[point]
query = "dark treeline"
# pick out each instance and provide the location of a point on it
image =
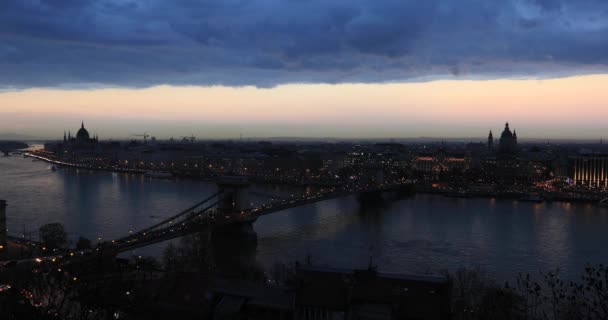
(99, 287)
(546, 297)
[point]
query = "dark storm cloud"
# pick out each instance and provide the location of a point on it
(268, 42)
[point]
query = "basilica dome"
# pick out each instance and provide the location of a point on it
(508, 140)
(507, 132)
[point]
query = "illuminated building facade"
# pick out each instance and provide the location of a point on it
(590, 170)
(441, 161)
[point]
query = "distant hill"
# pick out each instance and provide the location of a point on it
(12, 145)
(14, 136)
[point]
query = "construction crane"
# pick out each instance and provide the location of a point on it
(191, 138)
(145, 135)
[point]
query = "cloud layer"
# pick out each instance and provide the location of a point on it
(138, 43)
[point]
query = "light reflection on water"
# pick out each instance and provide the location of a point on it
(404, 234)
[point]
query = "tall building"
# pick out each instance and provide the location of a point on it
(491, 141)
(508, 141)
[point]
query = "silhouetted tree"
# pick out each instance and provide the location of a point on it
(83, 243)
(500, 304)
(170, 258)
(47, 295)
(53, 235)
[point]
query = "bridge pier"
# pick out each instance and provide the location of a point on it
(234, 250)
(3, 231)
(237, 235)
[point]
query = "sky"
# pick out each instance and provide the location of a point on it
(305, 68)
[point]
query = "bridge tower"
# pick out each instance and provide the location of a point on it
(235, 197)
(234, 245)
(3, 231)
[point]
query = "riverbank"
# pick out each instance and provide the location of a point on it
(535, 196)
(82, 166)
(178, 174)
(422, 188)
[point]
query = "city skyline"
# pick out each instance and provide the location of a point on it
(349, 69)
(303, 159)
(562, 108)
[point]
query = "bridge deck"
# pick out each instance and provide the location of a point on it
(208, 218)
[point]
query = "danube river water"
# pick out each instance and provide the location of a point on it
(417, 234)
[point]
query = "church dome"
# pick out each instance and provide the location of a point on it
(508, 140)
(507, 132)
(83, 134)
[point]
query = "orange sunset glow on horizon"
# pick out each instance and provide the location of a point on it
(450, 108)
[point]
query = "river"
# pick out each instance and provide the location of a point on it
(410, 234)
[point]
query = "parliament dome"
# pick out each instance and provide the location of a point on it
(82, 135)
